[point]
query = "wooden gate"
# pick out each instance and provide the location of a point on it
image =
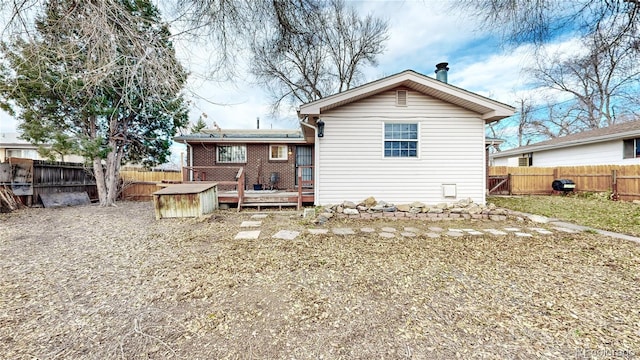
(499, 184)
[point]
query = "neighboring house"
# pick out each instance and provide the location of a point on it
(269, 158)
(614, 145)
(12, 146)
(404, 138)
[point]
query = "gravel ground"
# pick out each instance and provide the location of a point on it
(105, 283)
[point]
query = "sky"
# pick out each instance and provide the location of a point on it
(421, 34)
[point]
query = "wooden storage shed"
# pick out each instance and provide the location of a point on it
(186, 200)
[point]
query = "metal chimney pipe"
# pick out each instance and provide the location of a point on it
(258, 123)
(441, 71)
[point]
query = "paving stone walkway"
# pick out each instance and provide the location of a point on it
(392, 232)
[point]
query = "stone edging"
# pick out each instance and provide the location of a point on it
(371, 209)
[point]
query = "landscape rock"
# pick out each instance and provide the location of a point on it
(350, 211)
(349, 205)
(538, 219)
(369, 202)
(404, 207)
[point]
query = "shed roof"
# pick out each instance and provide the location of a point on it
(625, 130)
(490, 110)
(176, 189)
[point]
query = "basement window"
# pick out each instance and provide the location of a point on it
(631, 148)
(231, 154)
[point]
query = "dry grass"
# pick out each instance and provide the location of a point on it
(98, 283)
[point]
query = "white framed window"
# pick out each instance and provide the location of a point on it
(22, 153)
(231, 153)
(278, 152)
(631, 148)
(400, 140)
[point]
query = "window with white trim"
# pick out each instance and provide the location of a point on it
(631, 148)
(278, 152)
(231, 154)
(400, 140)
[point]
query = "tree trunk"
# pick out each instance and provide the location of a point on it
(112, 175)
(98, 172)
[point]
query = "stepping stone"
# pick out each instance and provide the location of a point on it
(248, 235)
(259, 216)
(387, 235)
(455, 233)
(456, 230)
(388, 229)
(511, 229)
(435, 229)
(542, 231)
(468, 230)
(565, 230)
(318, 231)
(343, 231)
(475, 232)
(286, 234)
(432, 235)
(408, 234)
(495, 232)
(251, 224)
(309, 213)
(412, 229)
(368, 230)
(522, 234)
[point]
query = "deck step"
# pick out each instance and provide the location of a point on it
(261, 204)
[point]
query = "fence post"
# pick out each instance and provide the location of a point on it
(614, 185)
(509, 183)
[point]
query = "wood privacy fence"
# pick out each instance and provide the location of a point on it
(140, 185)
(622, 181)
(29, 179)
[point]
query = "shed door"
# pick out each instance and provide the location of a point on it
(304, 156)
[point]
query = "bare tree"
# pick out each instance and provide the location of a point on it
(604, 81)
(539, 21)
(553, 119)
(301, 61)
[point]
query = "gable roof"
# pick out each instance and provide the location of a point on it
(490, 110)
(625, 130)
(243, 136)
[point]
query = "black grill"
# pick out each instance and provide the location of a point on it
(565, 185)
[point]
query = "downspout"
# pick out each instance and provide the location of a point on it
(316, 159)
(190, 152)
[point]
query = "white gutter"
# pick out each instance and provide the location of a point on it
(316, 155)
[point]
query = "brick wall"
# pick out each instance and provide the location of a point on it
(205, 155)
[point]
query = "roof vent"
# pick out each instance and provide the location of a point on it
(441, 71)
(401, 97)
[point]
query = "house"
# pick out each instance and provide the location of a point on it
(12, 146)
(614, 145)
(404, 138)
(268, 158)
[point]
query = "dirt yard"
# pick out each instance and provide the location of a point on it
(114, 283)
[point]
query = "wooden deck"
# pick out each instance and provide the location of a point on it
(260, 198)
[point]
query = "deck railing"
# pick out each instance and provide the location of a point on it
(302, 183)
(240, 187)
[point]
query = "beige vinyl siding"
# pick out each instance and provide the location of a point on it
(352, 165)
